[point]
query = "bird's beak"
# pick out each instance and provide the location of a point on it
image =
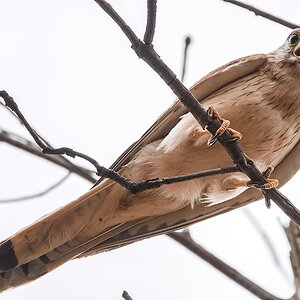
(297, 51)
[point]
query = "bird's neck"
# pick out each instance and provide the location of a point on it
(284, 72)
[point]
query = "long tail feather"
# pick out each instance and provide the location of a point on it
(104, 212)
(59, 236)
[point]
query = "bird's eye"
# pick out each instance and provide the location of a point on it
(293, 39)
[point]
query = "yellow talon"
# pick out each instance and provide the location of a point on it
(272, 183)
(236, 134)
(224, 126)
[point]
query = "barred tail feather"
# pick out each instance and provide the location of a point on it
(58, 237)
(45, 263)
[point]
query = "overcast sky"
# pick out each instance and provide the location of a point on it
(75, 77)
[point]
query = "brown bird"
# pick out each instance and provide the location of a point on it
(259, 94)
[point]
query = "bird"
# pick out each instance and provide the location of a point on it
(259, 94)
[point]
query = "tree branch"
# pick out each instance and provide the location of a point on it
(264, 14)
(151, 21)
(26, 145)
(187, 42)
(102, 171)
(39, 194)
(185, 239)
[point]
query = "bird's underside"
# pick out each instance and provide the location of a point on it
(259, 94)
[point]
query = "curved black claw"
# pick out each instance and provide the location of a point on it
(267, 200)
(268, 171)
(255, 184)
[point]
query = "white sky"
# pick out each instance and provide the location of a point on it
(75, 77)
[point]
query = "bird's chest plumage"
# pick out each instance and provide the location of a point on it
(264, 110)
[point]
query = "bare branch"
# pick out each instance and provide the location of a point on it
(24, 144)
(9, 102)
(138, 187)
(156, 183)
(259, 12)
(109, 173)
(11, 112)
(185, 239)
(186, 47)
(39, 194)
(151, 21)
(246, 165)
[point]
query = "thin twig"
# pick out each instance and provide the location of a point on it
(246, 165)
(109, 173)
(38, 194)
(151, 21)
(264, 14)
(185, 239)
(137, 187)
(187, 42)
(156, 183)
(11, 112)
(22, 143)
(9, 102)
(101, 171)
(126, 296)
(26, 145)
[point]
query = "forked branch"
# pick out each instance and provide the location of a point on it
(134, 187)
(26, 145)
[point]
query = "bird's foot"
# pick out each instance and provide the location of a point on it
(212, 112)
(271, 183)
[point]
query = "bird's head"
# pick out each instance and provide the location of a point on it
(290, 50)
(286, 59)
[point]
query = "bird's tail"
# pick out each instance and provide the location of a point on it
(60, 236)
